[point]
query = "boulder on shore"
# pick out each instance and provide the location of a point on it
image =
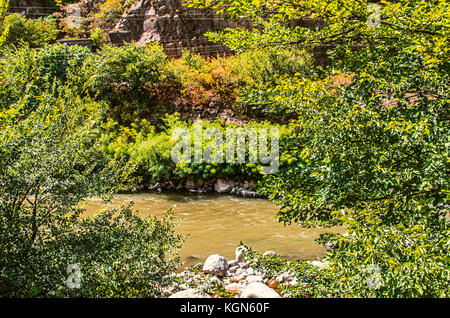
(223, 186)
(215, 264)
(259, 290)
(190, 293)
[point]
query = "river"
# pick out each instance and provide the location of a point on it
(217, 223)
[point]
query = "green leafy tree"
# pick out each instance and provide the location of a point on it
(373, 153)
(3, 29)
(35, 32)
(50, 161)
(127, 77)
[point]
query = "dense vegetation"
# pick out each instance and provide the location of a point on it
(373, 154)
(364, 142)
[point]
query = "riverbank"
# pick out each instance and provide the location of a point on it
(213, 185)
(241, 277)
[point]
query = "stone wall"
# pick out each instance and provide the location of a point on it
(172, 25)
(31, 8)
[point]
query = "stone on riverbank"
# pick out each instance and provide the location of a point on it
(320, 264)
(190, 293)
(223, 186)
(259, 290)
(254, 279)
(240, 254)
(215, 264)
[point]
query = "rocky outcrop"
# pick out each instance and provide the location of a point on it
(172, 25)
(223, 186)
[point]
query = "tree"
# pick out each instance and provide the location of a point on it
(373, 153)
(3, 30)
(50, 161)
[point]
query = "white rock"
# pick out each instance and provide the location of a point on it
(215, 264)
(233, 263)
(239, 271)
(320, 265)
(214, 280)
(293, 282)
(250, 271)
(254, 279)
(280, 279)
(190, 293)
(242, 276)
(245, 265)
(259, 290)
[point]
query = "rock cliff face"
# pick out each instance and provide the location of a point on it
(172, 25)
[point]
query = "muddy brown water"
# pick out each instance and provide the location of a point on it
(217, 223)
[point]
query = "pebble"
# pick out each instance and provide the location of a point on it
(250, 271)
(233, 263)
(233, 269)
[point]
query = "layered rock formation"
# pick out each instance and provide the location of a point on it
(172, 25)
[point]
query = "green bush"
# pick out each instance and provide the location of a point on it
(26, 72)
(262, 66)
(35, 32)
(127, 78)
(372, 260)
(50, 162)
(151, 150)
(61, 62)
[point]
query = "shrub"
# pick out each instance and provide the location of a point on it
(26, 72)
(151, 148)
(50, 162)
(61, 62)
(203, 81)
(35, 32)
(127, 78)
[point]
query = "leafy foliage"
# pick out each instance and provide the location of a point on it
(50, 162)
(372, 152)
(35, 32)
(150, 149)
(126, 77)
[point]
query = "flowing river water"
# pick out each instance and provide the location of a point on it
(217, 223)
